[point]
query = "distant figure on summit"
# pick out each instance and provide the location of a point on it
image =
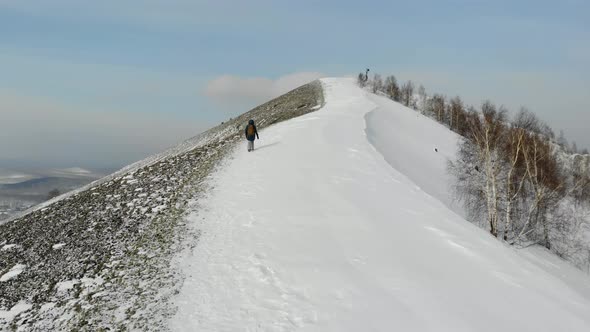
(251, 134)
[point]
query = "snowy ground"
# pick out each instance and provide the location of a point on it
(316, 231)
(415, 146)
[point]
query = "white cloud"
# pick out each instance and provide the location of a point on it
(229, 90)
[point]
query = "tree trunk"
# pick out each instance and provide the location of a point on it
(546, 242)
(507, 223)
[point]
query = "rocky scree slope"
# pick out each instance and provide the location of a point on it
(99, 258)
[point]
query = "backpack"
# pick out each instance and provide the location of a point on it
(250, 131)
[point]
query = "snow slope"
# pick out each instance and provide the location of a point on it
(316, 231)
(414, 145)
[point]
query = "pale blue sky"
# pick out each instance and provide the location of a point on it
(104, 83)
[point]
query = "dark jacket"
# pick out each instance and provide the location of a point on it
(253, 136)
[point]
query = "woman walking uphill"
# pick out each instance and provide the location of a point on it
(251, 134)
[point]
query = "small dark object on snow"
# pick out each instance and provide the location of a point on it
(477, 168)
(435, 150)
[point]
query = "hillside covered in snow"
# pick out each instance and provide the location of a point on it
(340, 220)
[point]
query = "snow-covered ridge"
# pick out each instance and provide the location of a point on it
(330, 230)
(75, 170)
(339, 221)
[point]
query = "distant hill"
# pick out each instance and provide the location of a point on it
(43, 185)
(21, 190)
